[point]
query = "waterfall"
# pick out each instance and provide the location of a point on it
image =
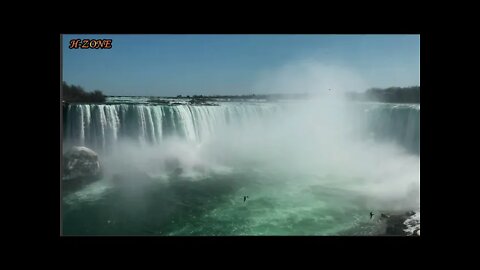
(100, 126)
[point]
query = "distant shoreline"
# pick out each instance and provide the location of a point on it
(174, 101)
(405, 95)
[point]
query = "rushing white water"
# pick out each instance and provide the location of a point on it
(101, 126)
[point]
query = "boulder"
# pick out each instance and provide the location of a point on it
(80, 162)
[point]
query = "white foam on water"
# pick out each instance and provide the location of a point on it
(89, 193)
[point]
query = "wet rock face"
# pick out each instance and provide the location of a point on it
(397, 224)
(80, 162)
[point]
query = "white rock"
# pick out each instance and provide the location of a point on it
(80, 161)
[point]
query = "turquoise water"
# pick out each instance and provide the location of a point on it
(215, 206)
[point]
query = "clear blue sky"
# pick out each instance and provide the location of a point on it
(169, 65)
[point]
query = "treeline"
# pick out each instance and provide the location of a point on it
(247, 97)
(390, 95)
(74, 93)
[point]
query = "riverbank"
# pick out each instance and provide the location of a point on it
(405, 224)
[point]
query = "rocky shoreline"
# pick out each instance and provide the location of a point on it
(405, 224)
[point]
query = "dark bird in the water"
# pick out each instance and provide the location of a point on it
(245, 198)
(384, 216)
(371, 215)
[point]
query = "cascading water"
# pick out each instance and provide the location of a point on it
(309, 168)
(101, 126)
